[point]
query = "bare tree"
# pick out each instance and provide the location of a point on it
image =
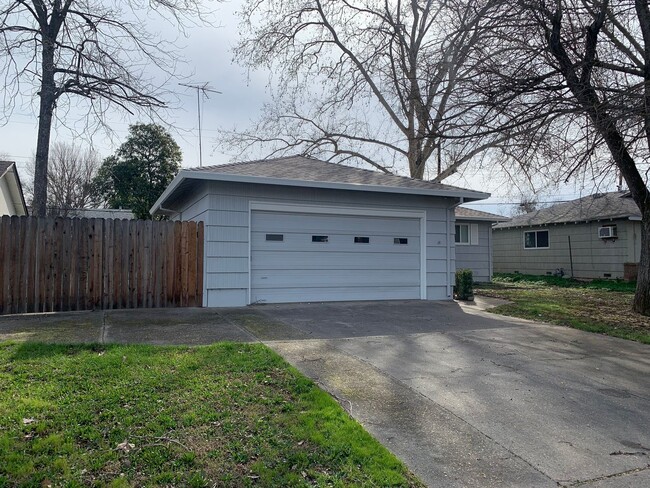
(373, 82)
(71, 170)
(582, 68)
(88, 50)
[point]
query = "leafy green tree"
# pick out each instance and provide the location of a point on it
(137, 174)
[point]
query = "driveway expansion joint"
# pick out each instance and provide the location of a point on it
(571, 484)
(102, 338)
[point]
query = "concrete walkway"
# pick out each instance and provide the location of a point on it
(465, 398)
(187, 326)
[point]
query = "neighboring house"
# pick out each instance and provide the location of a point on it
(473, 237)
(599, 234)
(297, 229)
(101, 213)
(12, 200)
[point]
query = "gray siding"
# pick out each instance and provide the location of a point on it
(477, 257)
(224, 207)
(592, 257)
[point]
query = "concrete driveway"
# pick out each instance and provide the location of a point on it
(469, 399)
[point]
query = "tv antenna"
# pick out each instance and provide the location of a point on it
(201, 89)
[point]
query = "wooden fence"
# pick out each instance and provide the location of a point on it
(60, 264)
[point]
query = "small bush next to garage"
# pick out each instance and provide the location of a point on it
(464, 284)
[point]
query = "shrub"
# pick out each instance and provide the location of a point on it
(464, 284)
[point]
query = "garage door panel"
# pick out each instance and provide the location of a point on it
(341, 294)
(306, 261)
(296, 269)
(334, 277)
(311, 223)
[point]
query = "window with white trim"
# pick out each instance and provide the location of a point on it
(466, 234)
(462, 234)
(536, 239)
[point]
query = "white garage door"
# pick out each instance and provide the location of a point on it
(302, 257)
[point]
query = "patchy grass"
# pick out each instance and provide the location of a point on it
(226, 415)
(601, 306)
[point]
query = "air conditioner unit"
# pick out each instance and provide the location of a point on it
(607, 232)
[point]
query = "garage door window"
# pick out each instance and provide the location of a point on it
(401, 240)
(319, 238)
(275, 237)
(362, 240)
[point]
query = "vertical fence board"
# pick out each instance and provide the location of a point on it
(133, 239)
(98, 277)
(124, 264)
(82, 263)
(90, 238)
(200, 257)
(66, 229)
(42, 260)
(191, 263)
(4, 272)
(6, 262)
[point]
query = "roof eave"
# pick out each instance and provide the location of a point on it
(509, 225)
(482, 219)
(466, 195)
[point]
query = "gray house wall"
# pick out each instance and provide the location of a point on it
(477, 257)
(224, 207)
(592, 257)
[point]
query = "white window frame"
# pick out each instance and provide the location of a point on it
(536, 231)
(360, 211)
(469, 235)
(472, 234)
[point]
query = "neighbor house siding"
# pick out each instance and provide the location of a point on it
(6, 204)
(224, 207)
(477, 257)
(592, 257)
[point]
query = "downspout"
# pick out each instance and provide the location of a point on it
(449, 285)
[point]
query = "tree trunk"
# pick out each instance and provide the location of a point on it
(642, 296)
(47, 102)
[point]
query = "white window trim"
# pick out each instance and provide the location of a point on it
(472, 234)
(360, 211)
(469, 235)
(535, 248)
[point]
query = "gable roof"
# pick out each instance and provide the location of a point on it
(302, 171)
(599, 206)
(464, 213)
(9, 173)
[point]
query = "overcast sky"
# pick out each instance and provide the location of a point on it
(207, 53)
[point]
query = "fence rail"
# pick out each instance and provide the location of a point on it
(61, 264)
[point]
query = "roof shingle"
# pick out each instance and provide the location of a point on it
(471, 214)
(308, 169)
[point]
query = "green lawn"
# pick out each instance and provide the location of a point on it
(601, 306)
(225, 415)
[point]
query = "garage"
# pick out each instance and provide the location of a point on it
(296, 229)
(317, 256)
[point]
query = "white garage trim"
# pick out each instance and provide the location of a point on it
(335, 210)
